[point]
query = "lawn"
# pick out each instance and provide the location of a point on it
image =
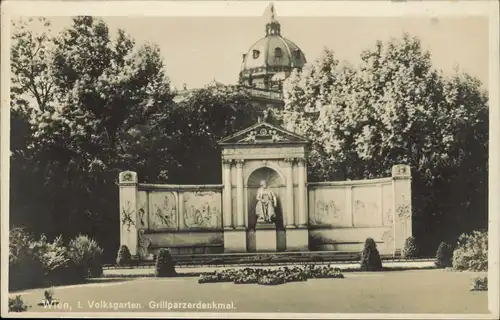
(412, 291)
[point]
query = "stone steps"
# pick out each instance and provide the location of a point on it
(274, 258)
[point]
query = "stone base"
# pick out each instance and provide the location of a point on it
(265, 239)
(235, 240)
(297, 239)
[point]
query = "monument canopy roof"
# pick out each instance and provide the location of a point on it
(263, 133)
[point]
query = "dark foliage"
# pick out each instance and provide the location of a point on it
(124, 258)
(370, 257)
(444, 255)
(165, 264)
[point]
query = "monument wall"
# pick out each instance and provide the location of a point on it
(343, 214)
(340, 215)
(183, 218)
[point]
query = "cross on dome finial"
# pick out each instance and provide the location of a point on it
(273, 27)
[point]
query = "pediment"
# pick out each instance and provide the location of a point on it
(263, 133)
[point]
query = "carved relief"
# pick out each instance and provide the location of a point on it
(227, 163)
(163, 210)
(404, 212)
(262, 135)
(401, 170)
(144, 243)
(202, 210)
(142, 217)
(367, 206)
(128, 177)
(324, 212)
(359, 207)
(288, 162)
(128, 216)
(263, 151)
(387, 205)
(388, 239)
(239, 163)
(389, 216)
(301, 162)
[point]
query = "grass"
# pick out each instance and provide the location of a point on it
(417, 291)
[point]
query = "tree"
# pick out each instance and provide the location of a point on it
(83, 102)
(396, 108)
(197, 123)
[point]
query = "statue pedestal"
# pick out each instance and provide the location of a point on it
(265, 238)
(297, 239)
(235, 240)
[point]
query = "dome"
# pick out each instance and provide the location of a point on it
(273, 52)
(269, 56)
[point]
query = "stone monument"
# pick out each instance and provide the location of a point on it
(253, 207)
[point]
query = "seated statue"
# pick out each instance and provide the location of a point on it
(266, 204)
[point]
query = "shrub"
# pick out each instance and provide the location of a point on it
(370, 257)
(54, 257)
(480, 284)
(17, 304)
(19, 243)
(85, 254)
(124, 258)
(25, 269)
(471, 252)
(165, 264)
(444, 255)
(34, 263)
(48, 298)
(410, 249)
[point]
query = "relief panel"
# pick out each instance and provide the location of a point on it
(202, 209)
(162, 210)
(366, 206)
(330, 208)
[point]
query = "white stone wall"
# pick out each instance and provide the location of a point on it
(343, 214)
(168, 215)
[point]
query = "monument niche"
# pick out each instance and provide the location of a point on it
(265, 221)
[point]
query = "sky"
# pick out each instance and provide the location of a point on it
(197, 50)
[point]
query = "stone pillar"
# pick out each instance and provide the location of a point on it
(402, 207)
(289, 217)
(302, 193)
(240, 195)
(348, 206)
(128, 210)
(297, 237)
(235, 239)
(180, 208)
(227, 203)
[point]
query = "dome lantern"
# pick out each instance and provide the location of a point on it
(273, 27)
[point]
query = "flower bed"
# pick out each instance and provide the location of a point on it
(271, 276)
